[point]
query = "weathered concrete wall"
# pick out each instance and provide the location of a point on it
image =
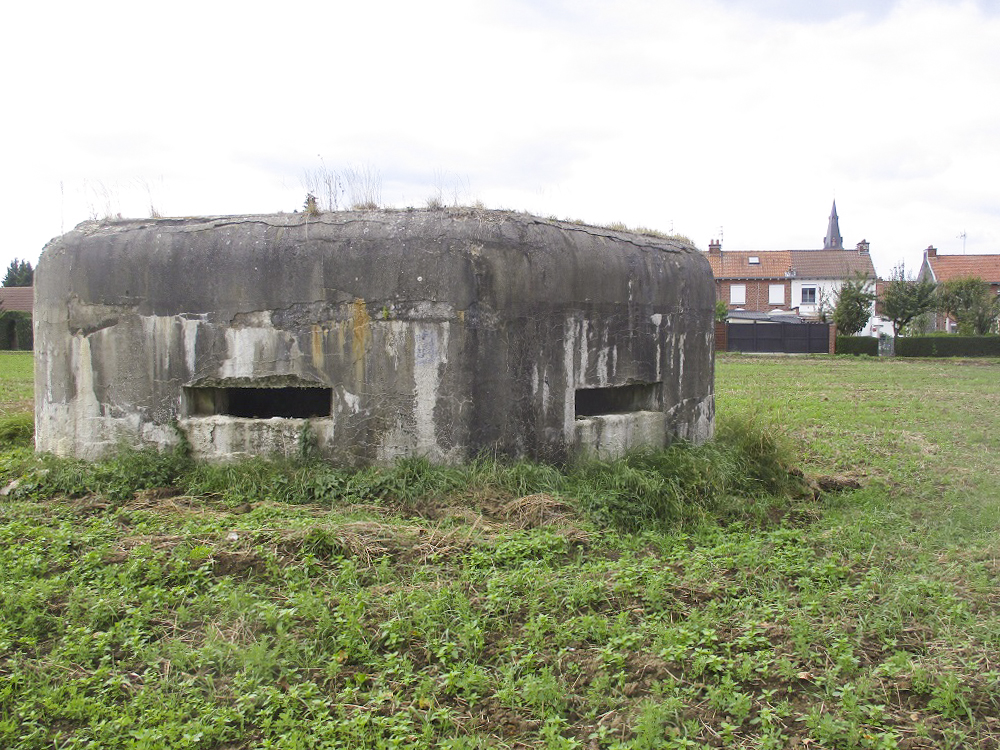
(437, 333)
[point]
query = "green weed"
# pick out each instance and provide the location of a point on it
(685, 483)
(17, 430)
(701, 596)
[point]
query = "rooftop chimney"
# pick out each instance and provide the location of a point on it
(931, 251)
(715, 247)
(863, 247)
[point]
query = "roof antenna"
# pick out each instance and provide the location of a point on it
(962, 237)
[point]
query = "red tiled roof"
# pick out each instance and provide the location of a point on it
(729, 265)
(949, 267)
(831, 264)
(778, 264)
(17, 298)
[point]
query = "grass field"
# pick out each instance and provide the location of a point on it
(700, 597)
(16, 379)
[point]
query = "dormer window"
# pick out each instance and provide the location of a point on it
(754, 260)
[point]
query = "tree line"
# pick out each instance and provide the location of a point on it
(970, 302)
(19, 273)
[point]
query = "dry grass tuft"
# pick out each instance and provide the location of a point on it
(531, 511)
(433, 543)
(366, 541)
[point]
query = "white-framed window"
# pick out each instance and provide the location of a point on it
(776, 294)
(737, 294)
(808, 295)
(754, 260)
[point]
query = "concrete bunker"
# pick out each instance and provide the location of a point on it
(388, 333)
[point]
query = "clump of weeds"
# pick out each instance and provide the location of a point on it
(699, 596)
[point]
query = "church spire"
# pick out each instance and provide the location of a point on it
(833, 240)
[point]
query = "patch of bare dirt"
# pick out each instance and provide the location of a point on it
(787, 515)
(237, 563)
(837, 483)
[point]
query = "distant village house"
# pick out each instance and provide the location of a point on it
(800, 283)
(940, 268)
(15, 317)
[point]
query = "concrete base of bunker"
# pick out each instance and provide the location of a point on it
(225, 438)
(611, 435)
(384, 333)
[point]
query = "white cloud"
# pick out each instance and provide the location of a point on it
(747, 114)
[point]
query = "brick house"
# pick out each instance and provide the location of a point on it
(940, 268)
(17, 298)
(15, 317)
(800, 281)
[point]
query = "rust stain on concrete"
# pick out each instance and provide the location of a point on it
(360, 333)
(318, 358)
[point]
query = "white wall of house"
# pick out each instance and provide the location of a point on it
(826, 291)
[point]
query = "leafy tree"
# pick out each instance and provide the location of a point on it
(721, 311)
(971, 303)
(19, 273)
(854, 305)
(905, 299)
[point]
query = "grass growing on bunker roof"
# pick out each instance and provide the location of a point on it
(696, 597)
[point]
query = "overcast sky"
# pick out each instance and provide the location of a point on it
(739, 118)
